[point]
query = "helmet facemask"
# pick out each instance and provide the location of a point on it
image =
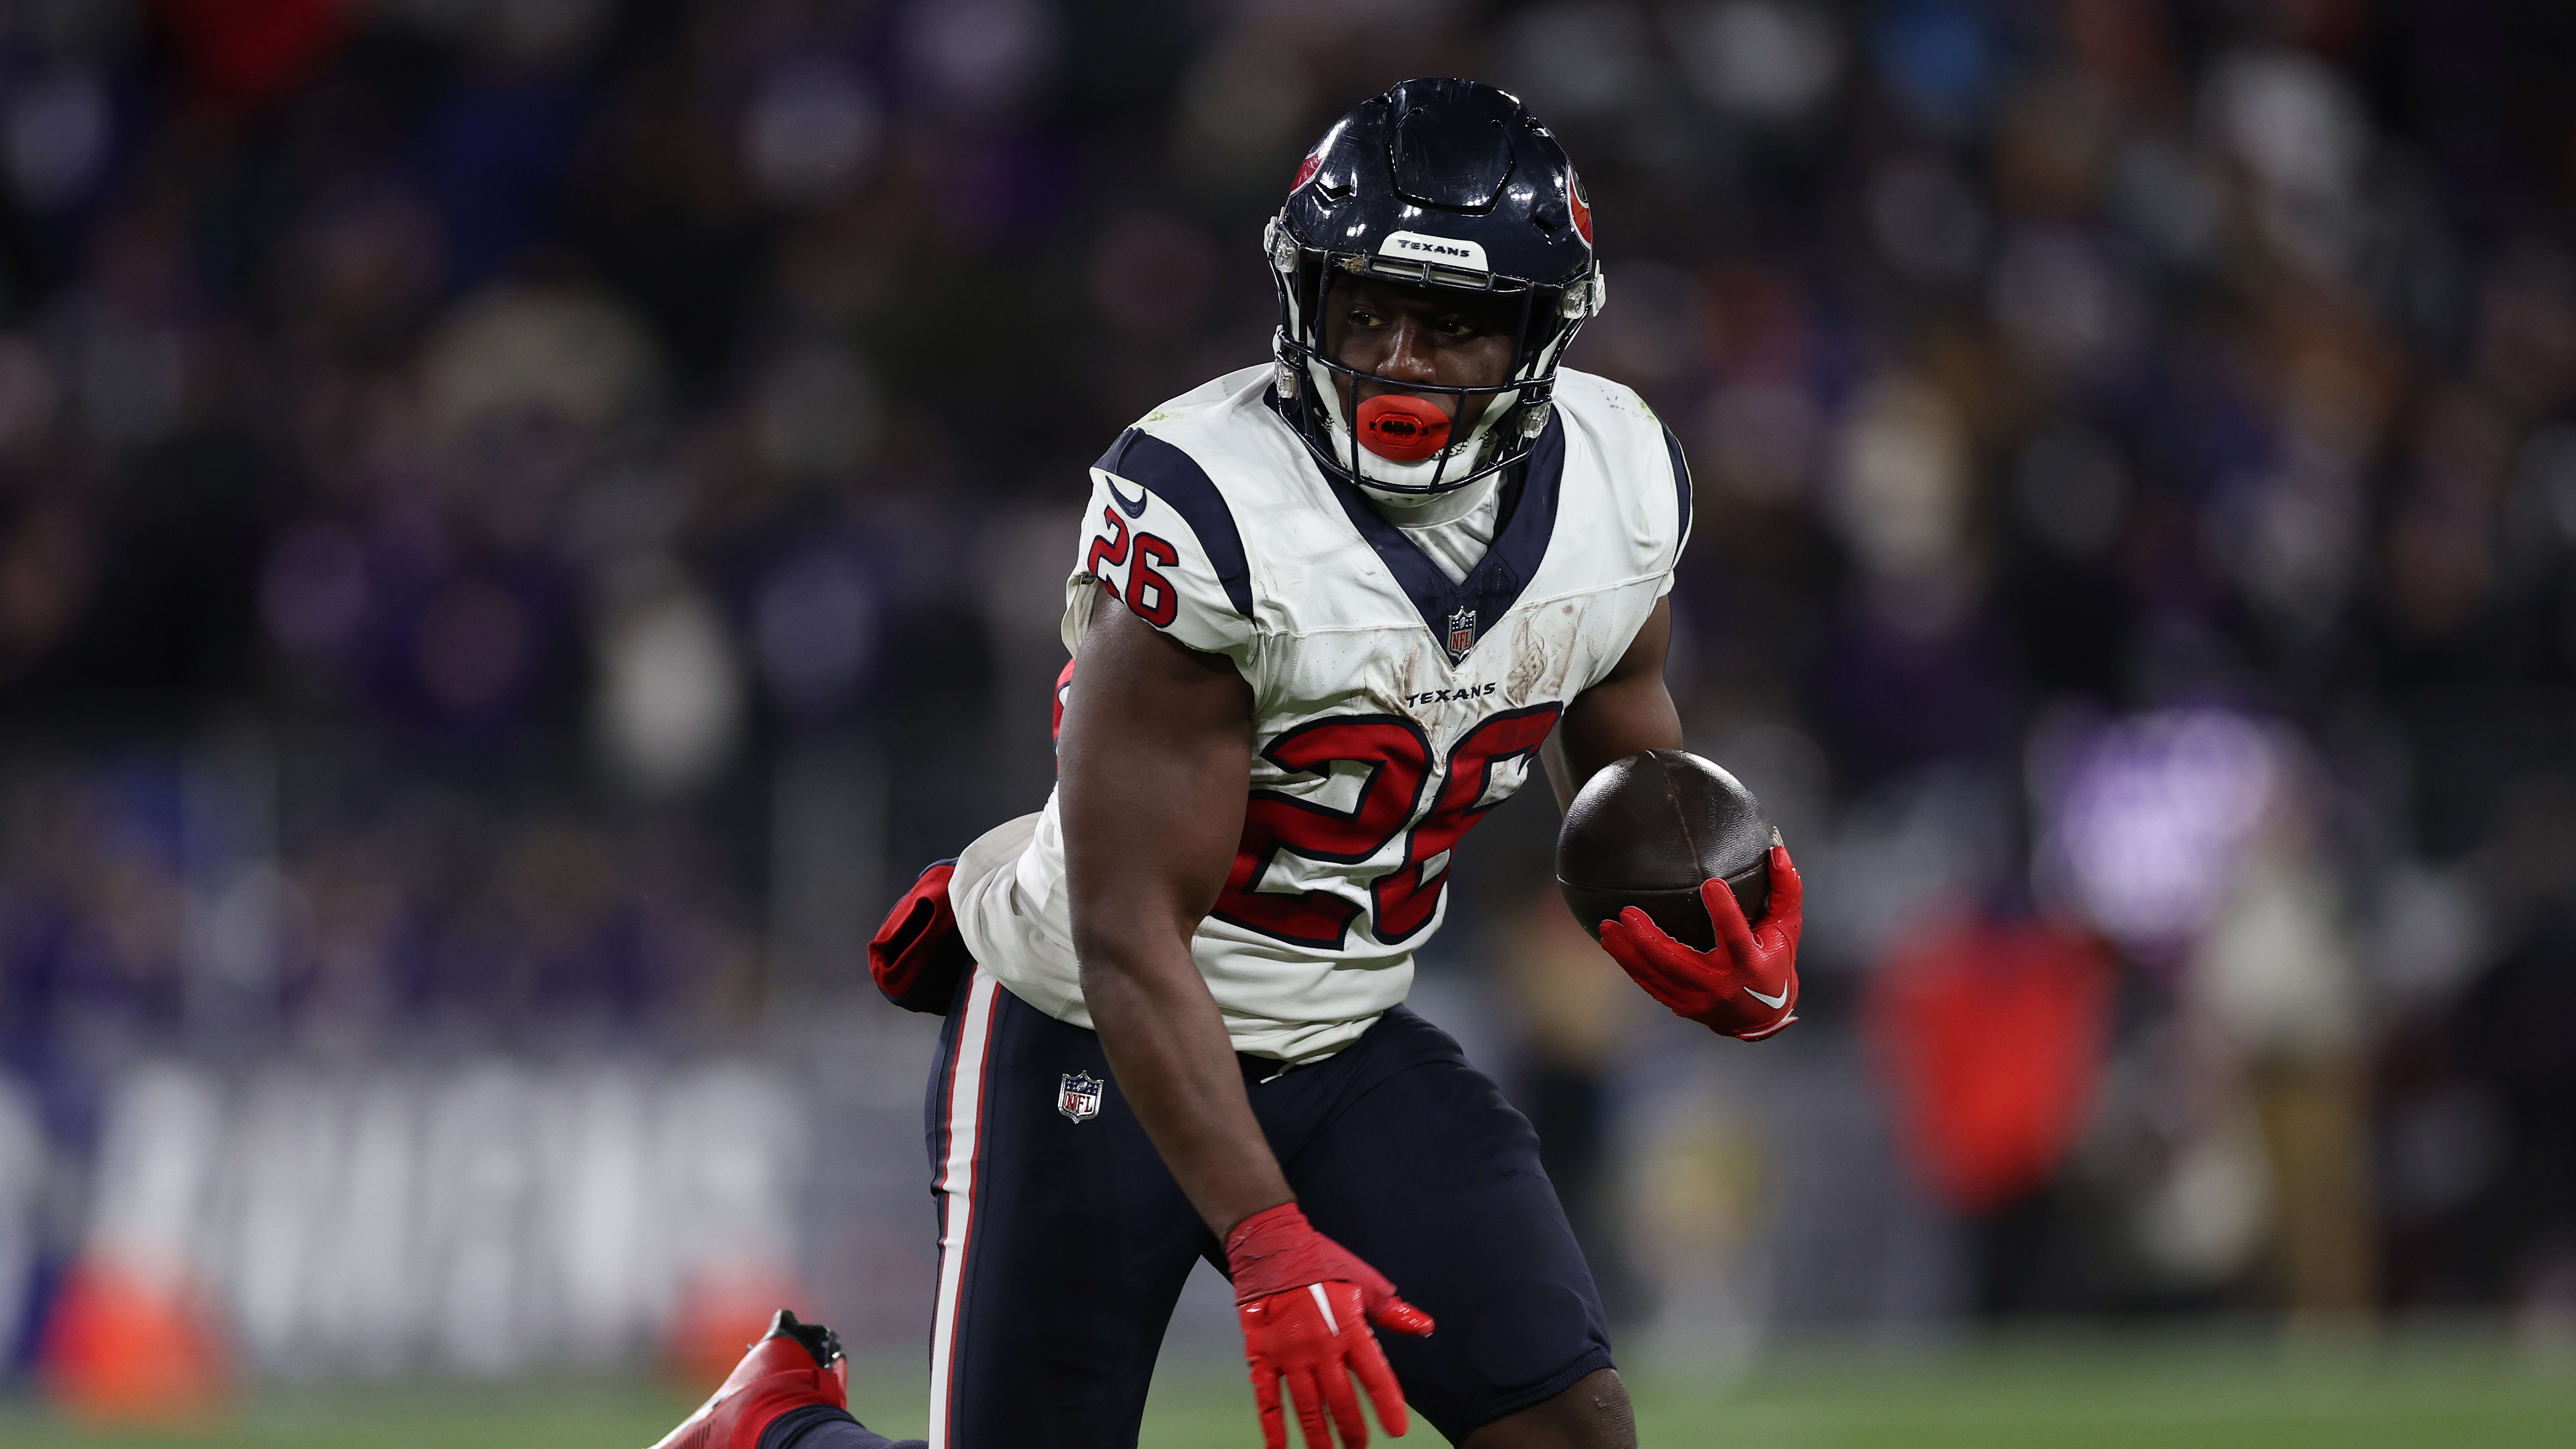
(1312, 386)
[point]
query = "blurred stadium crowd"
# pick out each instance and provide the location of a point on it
(522, 520)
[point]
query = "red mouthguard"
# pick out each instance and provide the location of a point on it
(1403, 428)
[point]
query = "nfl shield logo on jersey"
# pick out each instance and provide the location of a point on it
(1080, 1097)
(1462, 634)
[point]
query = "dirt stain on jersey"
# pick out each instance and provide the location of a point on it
(1415, 672)
(1531, 665)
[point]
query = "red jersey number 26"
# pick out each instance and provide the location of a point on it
(1395, 759)
(1147, 592)
(1394, 762)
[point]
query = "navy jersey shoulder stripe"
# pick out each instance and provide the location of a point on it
(1682, 485)
(1177, 479)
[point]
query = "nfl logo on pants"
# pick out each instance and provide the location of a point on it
(1079, 1098)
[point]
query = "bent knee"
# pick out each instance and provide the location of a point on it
(1593, 1414)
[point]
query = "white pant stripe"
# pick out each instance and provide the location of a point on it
(957, 1190)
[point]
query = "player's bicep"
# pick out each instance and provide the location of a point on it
(1154, 760)
(1628, 710)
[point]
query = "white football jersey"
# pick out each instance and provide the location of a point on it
(1392, 707)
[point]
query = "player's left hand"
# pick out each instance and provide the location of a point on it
(917, 956)
(1748, 986)
(1306, 1303)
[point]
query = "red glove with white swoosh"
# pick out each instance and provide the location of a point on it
(1748, 986)
(1306, 1303)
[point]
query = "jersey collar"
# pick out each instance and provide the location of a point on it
(1460, 613)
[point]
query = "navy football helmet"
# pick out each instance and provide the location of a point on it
(1439, 183)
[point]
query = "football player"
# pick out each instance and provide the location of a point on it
(1326, 613)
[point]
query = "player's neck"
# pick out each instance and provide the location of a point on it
(1438, 508)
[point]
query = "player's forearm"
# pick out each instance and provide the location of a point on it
(1608, 723)
(1154, 758)
(1169, 1052)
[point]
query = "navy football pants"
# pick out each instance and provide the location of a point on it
(1064, 1244)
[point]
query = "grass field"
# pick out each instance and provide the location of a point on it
(2080, 1389)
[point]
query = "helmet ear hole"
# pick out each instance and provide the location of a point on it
(1281, 245)
(1584, 298)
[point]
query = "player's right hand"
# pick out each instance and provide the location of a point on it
(1306, 1303)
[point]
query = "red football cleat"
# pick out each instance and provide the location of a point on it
(793, 1366)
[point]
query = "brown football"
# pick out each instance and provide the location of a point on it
(1647, 830)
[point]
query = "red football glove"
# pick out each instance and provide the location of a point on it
(1063, 690)
(917, 955)
(1306, 1303)
(1748, 986)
